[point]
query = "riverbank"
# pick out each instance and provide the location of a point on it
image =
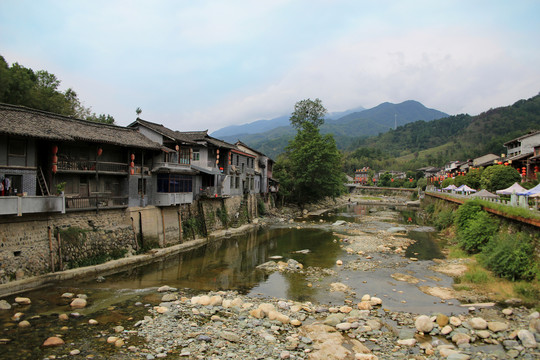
(94, 271)
(183, 323)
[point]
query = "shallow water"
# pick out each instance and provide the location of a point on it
(230, 264)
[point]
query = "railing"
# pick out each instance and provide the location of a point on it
(90, 165)
(19, 205)
(95, 202)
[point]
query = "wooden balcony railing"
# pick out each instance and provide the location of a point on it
(90, 166)
(95, 202)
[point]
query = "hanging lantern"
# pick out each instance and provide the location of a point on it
(54, 168)
(132, 157)
(99, 151)
(177, 147)
(392, 180)
(132, 171)
(132, 164)
(55, 149)
(54, 159)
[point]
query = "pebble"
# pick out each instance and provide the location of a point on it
(23, 301)
(78, 303)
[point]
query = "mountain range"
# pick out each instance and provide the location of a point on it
(272, 136)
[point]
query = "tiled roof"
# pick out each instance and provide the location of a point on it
(203, 136)
(23, 121)
(171, 134)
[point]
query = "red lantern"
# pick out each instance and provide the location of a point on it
(54, 168)
(132, 171)
(177, 148)
(99, 151)
(132, 164)
(54, 159)
(392, 180)
(132, 157)
(55, 149)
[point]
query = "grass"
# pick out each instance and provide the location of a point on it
(455, 252)
(482, 281)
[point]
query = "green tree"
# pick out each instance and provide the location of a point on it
(40, 90)
(385, 180)
(311, 167)
(498, 177)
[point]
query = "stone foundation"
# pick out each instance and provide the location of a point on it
(30, 245)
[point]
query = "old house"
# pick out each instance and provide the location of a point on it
(44, 154)
(520, 151)
(172, 177)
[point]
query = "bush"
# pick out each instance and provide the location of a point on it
(445, 219)
(261, 208)
(510, 256)
(466, 212)
(477, 232)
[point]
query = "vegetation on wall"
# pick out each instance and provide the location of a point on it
(501, 250)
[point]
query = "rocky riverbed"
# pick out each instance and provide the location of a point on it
(180, 323)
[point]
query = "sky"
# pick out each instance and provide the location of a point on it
(196, 65)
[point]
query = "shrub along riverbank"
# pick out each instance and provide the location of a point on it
(504, 261)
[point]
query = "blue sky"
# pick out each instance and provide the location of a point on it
(194, 65)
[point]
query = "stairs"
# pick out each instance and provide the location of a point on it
(42, 183)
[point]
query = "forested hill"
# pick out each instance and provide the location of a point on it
(346, 129)
(459, 137)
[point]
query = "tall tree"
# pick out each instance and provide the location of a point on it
(311, 167)
(40, 90)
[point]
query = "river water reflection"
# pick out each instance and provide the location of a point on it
(231, 264)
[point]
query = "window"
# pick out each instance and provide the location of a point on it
(17, 148)
(237, 159)
(237, 184)
(173, 183)
(183, 156)
(196, 155)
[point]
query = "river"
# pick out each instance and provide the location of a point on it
(231, 264)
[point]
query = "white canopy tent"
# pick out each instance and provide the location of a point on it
(485, 194)
(465, 188)
(514, 189)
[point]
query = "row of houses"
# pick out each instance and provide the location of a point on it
(523, 154)
(98, 166)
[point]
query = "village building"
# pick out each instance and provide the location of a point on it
(43, 155)
(263, 171)
(520, 151)
(362, 176)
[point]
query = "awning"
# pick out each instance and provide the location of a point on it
(207, 171)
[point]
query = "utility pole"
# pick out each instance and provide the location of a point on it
(395, 121)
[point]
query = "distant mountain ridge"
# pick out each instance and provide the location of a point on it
(346, 128)
(260, 126)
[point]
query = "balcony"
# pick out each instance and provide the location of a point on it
(93, 202)
(169, 199)
(19, 205)
(86, 166)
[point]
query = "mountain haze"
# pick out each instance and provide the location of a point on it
(346, 129)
